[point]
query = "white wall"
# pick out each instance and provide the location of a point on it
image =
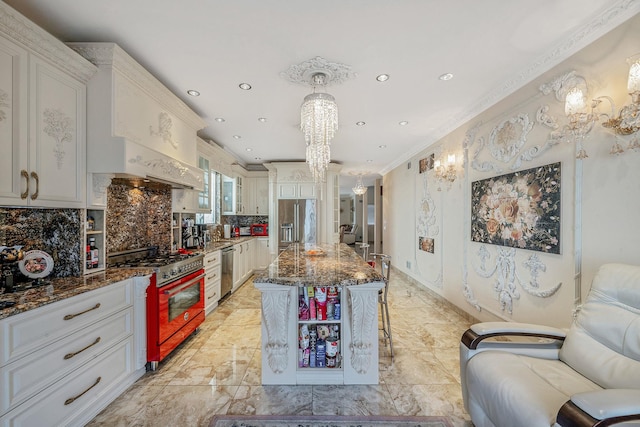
(600, 201)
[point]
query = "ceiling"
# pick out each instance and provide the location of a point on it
(492, 47)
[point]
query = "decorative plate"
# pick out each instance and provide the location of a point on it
(36, 264)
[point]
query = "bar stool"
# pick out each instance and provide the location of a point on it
(365, 251)
(384, 261)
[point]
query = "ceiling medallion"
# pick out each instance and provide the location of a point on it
(303, 73)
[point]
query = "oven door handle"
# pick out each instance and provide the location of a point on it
(171, 292)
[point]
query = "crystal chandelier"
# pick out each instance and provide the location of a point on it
(318, 122)
(359, 189)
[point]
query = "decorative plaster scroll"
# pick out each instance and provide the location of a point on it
(101, 183)
(168, 169)
(507, 276)
(542, 118)
(364, 314)
(483, 166)
(4, 103)
(302, 73)
(506, 139)
(164, 129)
(58, 126)
(297, 175)
(563, 84)
(275, 313)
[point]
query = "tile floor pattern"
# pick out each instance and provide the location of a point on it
(217, 371)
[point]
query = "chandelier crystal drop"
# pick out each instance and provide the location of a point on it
(319, 123)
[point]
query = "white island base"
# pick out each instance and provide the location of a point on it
(358, 340)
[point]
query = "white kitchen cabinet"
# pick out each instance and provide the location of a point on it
(243, 257)
(257, 192)
(262, 253)
(43, 161)
(184, 200)
(64, 362)
(297, 190)
(212, 271)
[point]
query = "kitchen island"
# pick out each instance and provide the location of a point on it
(319, 317)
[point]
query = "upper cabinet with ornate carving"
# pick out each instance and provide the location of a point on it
(136, 125)
(42, 116)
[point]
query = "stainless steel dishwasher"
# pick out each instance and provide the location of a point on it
(226, 278)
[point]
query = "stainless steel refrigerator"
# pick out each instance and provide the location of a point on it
(297, 222)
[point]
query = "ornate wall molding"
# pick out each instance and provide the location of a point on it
(107, 55)
(16, 27)
(364, 315)
(507, 276)
(426, 221)
(275, 317)
(297, 175)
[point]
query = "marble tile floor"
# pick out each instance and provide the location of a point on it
(217, 371)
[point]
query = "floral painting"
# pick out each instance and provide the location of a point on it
(520, 210)
(426, 244)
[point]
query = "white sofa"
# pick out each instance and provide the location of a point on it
(586, 376)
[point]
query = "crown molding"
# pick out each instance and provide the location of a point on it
(19, 29)
(110, 56)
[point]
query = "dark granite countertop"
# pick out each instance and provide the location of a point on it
(330, 265)
(224, 243)
(58, 289)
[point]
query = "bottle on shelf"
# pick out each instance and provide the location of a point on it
(94, 252)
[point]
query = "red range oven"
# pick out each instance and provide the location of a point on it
(260, 229)
(174, 311)
(175, 297)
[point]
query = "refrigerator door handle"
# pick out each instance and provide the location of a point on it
(296, 223)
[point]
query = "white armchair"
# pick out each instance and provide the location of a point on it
(586, 376)
(348, 233)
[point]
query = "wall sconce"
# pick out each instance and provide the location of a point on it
(581, 119)
(445, 173)
(627, 121)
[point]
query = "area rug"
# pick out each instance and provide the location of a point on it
(325, 421)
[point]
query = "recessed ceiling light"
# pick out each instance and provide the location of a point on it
(382, 77)
(382, 146)
(403, 123)
(360, 123)
(193, 92)
(219, 119)
(257, 158)
(369, 161)
(237, 136)
(244, 86)
(262, 119)
(446, 76)
(249, 149)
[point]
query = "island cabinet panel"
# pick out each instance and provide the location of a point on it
(319, 317)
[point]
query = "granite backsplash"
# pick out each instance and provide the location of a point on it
(55, 231)
(138, 217)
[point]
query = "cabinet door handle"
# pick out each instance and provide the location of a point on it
(70, 355)
(25, 175)
(72, 399)
(71, 316)
(35, 194)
